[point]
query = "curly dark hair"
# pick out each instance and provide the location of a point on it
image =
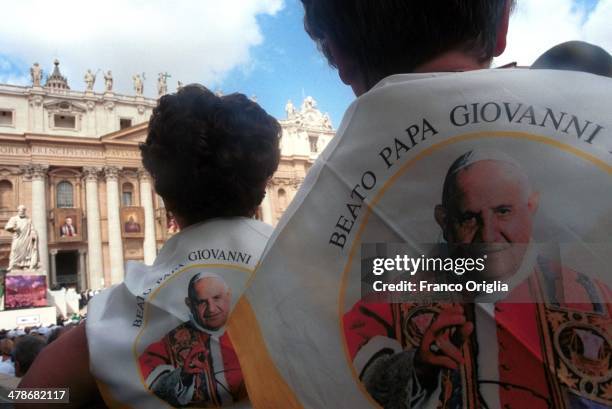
(210, 156)
(386, 37)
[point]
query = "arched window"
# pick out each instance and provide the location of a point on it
(65, 194)
(313, 141)
(282, 199)
(127, 194)
(6, 195)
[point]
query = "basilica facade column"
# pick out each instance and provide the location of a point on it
(115, 245)
(266, 208)
(38, 174)
(83, 284)
(53, 272)
(94, 237)
(146, 201)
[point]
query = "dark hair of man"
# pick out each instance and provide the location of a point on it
(386, 37)
(210, 156)
(576, 56)
(26, 351)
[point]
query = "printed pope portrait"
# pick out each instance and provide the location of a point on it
(132, 221)
(68, 224)
(554, 323)
(194, 364)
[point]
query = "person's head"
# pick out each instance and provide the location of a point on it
(209, 300)
(210, 156)
(576, 56)
(26, 351)
(487, 208)
(21, 210)
(369, 40)
(69, 221)
(131, 219)
(55, 334)
(6, 346)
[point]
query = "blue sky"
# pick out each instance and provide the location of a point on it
(288, 66)
(257, 47)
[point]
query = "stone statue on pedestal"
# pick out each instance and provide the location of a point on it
(290, 110)
(138, 84)
(309, 104)
(90, 79)
(108, 81)
(162, 83)
(327, 122)
(24, 246)
(36, 74)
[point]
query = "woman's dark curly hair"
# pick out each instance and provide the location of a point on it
(210, 156)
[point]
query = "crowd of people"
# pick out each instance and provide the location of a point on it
(19, 348)
(160, 337)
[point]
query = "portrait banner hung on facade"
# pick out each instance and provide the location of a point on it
(455, 236)
(132, 222)
(162, 337)
(68, 224)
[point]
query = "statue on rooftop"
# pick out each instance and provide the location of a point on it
(290, 110)
(327, 121)
(162, 83)
(36, 74)
(90, 79)
(108, 81)
(138, 84)
(309, 103)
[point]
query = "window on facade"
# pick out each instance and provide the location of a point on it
(6, 117)
(313, 143)
(125, 123)
(64, 121)
(127, 194)
(6, 195)
(282, 199)
(65, 194)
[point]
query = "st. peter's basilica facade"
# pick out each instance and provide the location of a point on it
(71, 157)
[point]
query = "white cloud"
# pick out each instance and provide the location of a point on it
(598, 28)
(193, 40)
(538, 25)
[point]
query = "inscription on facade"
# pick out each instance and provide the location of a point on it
(16, 150)
(20, 150)
(67, 151)
(123, 153)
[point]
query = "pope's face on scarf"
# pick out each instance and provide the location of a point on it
(490, 213)
(209, 302)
